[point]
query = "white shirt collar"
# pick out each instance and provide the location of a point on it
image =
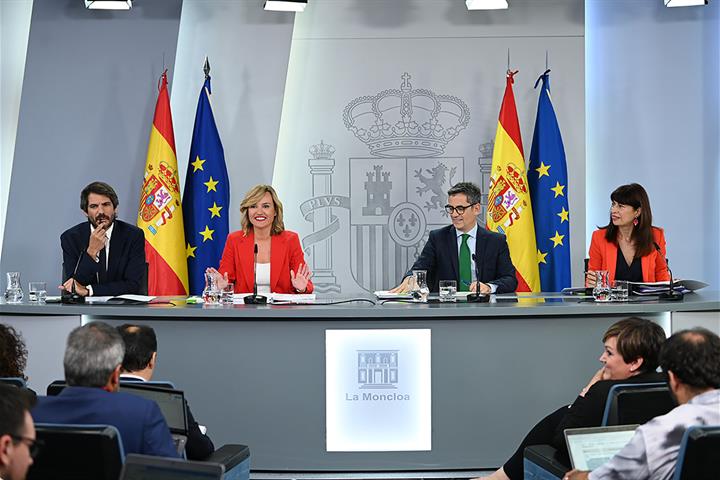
(130, 375)
(472, 232)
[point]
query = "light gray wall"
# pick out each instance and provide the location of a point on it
(87, 104)
(653, 117)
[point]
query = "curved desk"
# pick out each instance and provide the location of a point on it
(256, 374)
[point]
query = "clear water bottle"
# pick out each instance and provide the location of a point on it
(602, 291)
(420, 286)
(13, 291)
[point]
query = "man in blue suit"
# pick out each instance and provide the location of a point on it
(92, 362)
(448, 253)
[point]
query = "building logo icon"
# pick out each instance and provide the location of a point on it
(377, 369)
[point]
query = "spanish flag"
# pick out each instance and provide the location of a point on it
(509, 209)
(160, 212)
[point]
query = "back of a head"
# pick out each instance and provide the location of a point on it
(93, 352)
(13, 354)
(140, 344)
(694, 358)
(638, 338)
(14, 402)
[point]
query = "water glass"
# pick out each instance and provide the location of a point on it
(448, 289)
(420, 286)
(37, 292)
(228, 294)
(601, 292)
(13, 291)
(620, 290)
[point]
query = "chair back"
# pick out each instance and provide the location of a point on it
(78, 452)
(637, 403)
(699, 457)
(15, 381)
(58, 385)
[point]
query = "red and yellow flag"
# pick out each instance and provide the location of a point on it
(160, 212)
(509, 209)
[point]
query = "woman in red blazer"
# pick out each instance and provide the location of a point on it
(281, 266)
(629, 247)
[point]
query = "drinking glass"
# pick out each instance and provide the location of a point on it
(420, 284)
(620, 290)
(13, 291)
(448, 288)
(211, 293)
(37, 292)
(228, 294)
(601, 292)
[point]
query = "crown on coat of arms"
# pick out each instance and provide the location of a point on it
(407, 121)
(322, 151)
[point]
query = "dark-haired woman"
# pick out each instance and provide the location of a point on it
(13, 354)
(629, 247)
(630, 355)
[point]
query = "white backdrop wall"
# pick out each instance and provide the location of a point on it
(653, 117)
(344, 50)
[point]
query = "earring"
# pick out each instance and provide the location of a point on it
(635, 221)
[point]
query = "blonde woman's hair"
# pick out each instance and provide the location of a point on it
(252, 197)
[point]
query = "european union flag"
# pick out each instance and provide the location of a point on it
(548, 179)
(206, 198)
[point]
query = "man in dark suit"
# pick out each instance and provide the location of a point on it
(447, 255)
(93, 359)
(139, 365)
(18, 444)
(103, 256)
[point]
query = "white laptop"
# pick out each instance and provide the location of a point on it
(591, 447)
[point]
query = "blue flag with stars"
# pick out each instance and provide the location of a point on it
(547, 179)
(206, 197)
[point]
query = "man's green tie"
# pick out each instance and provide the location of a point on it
(465, 267)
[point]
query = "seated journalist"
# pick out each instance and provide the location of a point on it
(139, 365)
(630, 355)
(13, 353)
(281, 266)
(447, 255)
(691, 360)
(18, 445)
(629, 247)
(93, 360)
(103, 256)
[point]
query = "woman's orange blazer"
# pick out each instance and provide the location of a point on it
(603, 256)
(285, 255)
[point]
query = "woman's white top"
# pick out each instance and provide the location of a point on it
(263, 277)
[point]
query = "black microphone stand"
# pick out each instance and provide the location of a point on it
(671, 295)
(72, 297)
(255, 299)
(477, 297)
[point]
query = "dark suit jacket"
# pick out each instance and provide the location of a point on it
(126, 265)
(588, 411)
(139, 421)
(198, 446)
(440, 258)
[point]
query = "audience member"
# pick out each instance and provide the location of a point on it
(93, 359)
(691, 360)
(139, 365)
(631, 350)
(18, 445)
(13, 354)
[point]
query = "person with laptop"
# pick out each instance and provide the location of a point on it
(93, 359)
(138, 365)
(691, 360)
(630, 355)
(18, 445)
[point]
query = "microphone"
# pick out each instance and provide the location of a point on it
(72, 297)
(670, 295)
(255, 299)
(477, 297)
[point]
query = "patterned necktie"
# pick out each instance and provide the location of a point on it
(465, 267)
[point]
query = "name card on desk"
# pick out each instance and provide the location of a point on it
(378, 390)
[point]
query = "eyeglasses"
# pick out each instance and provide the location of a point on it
(33, 444)
(460, 209)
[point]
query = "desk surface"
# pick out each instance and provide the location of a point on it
(503, 306)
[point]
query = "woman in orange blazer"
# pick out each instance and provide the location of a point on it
(629, 247)
(281, 266)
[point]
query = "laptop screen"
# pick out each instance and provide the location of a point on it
(171, 403)
(144, 467)
(591, 447)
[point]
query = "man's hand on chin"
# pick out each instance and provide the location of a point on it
(80, 289)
